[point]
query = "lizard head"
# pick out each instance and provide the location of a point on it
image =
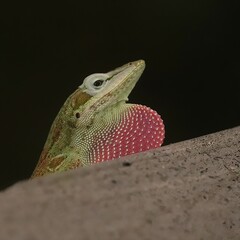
(105, 90)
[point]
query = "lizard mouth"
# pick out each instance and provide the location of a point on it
(128, 68)
(128, 72)
(121, 81)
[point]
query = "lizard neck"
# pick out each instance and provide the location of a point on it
(92, 142)
(118, 131)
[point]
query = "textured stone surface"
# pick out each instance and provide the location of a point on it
(187, 190)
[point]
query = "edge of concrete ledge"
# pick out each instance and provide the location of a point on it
(186, 190)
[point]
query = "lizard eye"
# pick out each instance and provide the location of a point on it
(94, 83)
(98, 83)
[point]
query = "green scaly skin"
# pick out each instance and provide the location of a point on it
(86, 114)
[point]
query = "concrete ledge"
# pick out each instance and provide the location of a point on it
(187, 190)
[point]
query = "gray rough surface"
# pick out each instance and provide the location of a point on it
(187, 190)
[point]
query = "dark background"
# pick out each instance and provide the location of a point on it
(191, 49)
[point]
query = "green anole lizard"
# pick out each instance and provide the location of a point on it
(96, 124)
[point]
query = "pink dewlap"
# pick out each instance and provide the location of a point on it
(140, 129)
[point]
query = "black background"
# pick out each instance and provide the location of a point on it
(191, 49)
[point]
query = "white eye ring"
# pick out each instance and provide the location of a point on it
(95, 83)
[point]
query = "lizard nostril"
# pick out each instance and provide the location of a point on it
(77, 115)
